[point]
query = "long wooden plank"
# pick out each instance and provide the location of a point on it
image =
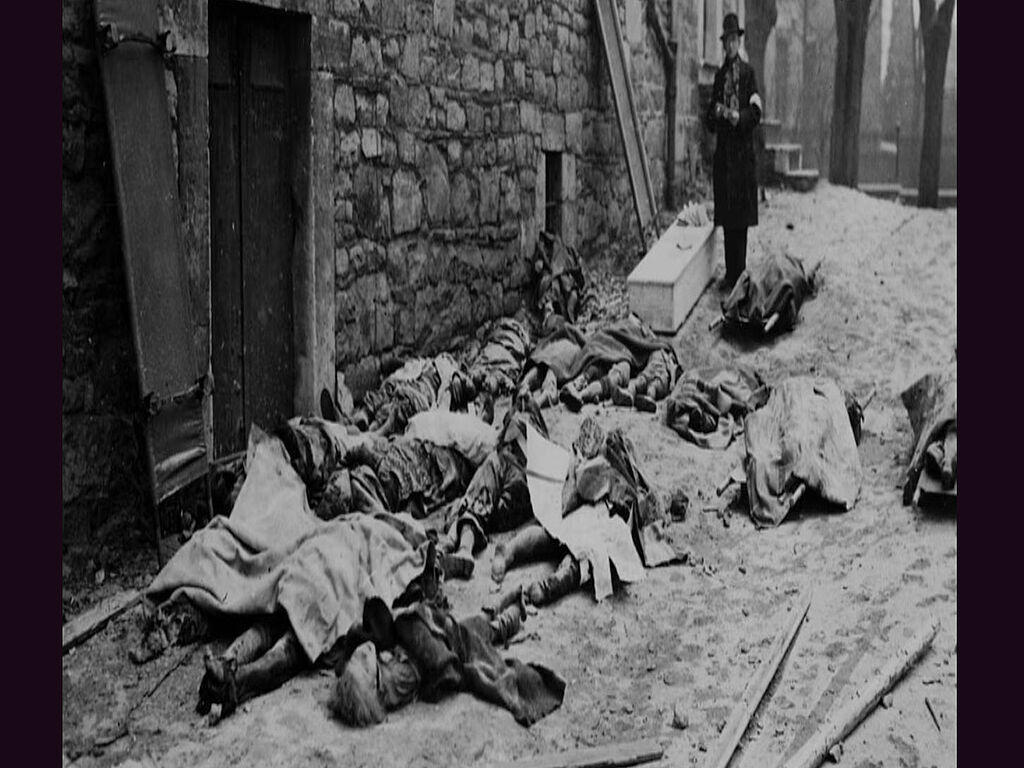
(605, 756)
(625, 112)
(756, 689)
(81, 628)
(842, 723)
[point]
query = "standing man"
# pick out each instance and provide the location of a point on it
(734, 112)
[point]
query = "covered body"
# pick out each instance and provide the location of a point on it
(778, 286)
(931, 406)
(802, 435)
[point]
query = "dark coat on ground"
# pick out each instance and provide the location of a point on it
(735, 168)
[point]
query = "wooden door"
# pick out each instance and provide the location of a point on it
(252, 134)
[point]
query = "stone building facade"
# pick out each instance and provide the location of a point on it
(435, 139)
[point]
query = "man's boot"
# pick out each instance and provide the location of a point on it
(563, 581)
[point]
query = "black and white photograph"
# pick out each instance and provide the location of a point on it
(509, 383)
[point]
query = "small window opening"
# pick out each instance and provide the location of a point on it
(553, 192)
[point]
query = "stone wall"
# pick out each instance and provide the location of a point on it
(430, 123)
(442, 119)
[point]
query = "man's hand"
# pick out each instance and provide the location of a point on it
(734, 116)
(720, 110)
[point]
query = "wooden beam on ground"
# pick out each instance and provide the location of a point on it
(81, 628)
(605, 756)
(756, 689)
(865, 699)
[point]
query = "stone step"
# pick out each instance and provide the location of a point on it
(905, 195)
(772, 130)
(667, 282)
(883, 190)
(800, 180)
(783, 158)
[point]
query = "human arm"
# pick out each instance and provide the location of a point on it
(715, 107)
(750, 113)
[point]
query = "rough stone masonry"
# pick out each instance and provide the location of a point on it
(430, 120)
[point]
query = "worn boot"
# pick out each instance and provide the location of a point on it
(623, 396)
(563, 581)
(460, 563)
(507, 623)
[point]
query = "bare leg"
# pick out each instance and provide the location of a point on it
(218, 683)
(529, 544)
(254, 642)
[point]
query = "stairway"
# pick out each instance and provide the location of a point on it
(784, 161)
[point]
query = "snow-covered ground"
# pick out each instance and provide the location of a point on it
(689, 636)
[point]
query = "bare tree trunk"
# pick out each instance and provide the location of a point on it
(851, 42)
(936, 28)
(918, 77)
(805, 65)
(761, 18)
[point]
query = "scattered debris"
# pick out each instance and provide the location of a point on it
(756, 689)
(846, 719)
(680, 719)
(678, 504)
(931, 711)
(92, 621)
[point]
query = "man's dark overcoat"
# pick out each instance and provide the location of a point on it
(735, 170)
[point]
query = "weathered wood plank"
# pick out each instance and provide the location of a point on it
(81, 628)
(865, 699)
(756, 689)
(605, 756)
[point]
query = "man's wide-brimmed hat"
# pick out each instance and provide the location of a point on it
(731, 26)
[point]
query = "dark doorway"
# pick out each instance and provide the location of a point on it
(259, 99)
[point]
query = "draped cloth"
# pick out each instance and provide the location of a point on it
(931, 407)
(273, 554)
(779, 285)
(707, 406)
(803, 435)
